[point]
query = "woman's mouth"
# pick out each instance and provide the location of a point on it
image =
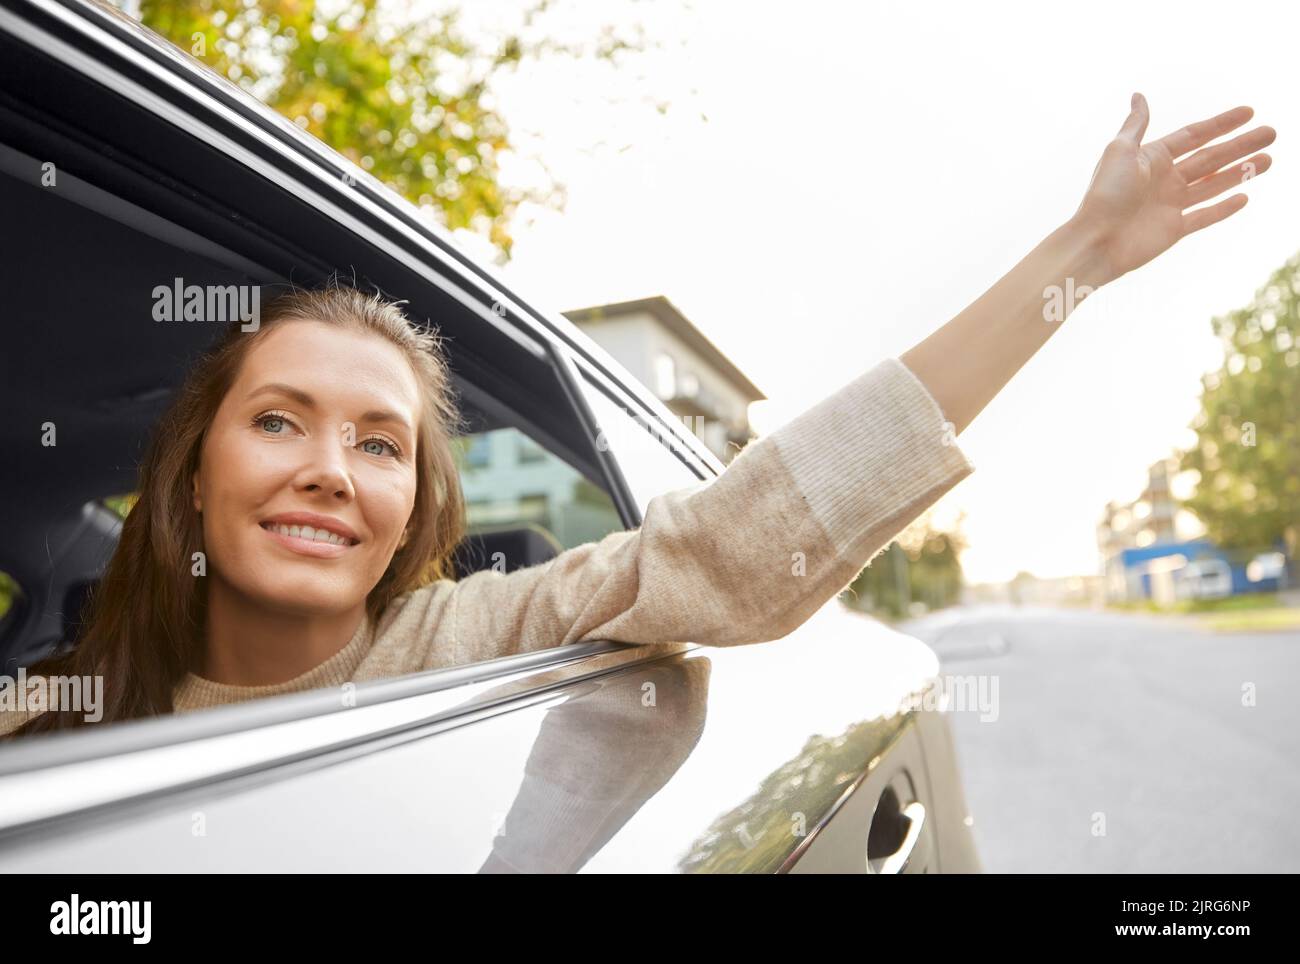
(309, 540)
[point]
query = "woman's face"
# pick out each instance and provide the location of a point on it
(307, 475)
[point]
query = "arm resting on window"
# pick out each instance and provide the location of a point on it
(748, 556)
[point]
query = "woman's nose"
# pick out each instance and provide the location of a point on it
(327, 470)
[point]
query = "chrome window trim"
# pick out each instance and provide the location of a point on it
(624, 502)
(61, 776)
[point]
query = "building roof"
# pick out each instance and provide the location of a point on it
(666, 313)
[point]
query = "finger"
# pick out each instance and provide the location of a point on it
(1210, 159)
(1135, 125)
(1208, 187)
(1204, 217)
(1195, 135)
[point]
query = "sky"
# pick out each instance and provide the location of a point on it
(830, 182)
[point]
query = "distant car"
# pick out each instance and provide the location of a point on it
(1267, 567)
(125, 164)
(1205, 579)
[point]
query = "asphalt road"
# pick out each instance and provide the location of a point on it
(1122, 744)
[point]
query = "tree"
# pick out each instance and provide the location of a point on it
(1247, 453)
(407, 99)
(922, 565)
(1020, 585)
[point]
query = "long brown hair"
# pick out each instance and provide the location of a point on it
(144, 626)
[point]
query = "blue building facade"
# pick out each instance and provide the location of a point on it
(1167, 571)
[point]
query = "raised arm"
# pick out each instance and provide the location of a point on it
(1135, 208)
(753, 554)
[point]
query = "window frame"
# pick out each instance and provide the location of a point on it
(591, 379)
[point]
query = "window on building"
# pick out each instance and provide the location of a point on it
(665, 375)
(528, 451)
(688, 384)
(478, 451)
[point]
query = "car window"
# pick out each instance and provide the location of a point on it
(645, 451)
(512, 482)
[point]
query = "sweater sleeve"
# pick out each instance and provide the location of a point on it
(745, 557)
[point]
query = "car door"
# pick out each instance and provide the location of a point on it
(803, 753)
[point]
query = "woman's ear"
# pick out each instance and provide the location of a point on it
(198, 502)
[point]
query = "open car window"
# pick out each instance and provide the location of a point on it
(524, 502)
(89, 366)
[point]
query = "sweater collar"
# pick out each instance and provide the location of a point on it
(194, 692)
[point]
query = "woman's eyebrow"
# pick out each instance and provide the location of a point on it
(302, 398)
(279, 388)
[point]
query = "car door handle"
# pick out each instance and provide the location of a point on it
(911, 846)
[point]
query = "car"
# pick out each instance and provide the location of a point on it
(1204, 579)
(125, 165)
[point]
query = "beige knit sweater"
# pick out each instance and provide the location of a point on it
(743, 558)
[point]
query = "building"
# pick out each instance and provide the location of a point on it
(671, 357)
(1149, 519)
(510, 482)
(1166, 572)
(1146, 553)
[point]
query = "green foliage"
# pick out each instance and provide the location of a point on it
(1244, 602)
(405, 99)
(122, 504)
(8, 593)
(758, 834)
(1247, 451)
(923, 566)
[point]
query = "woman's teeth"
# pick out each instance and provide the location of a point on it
(311, 535)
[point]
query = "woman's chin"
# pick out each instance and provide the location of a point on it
(313, 605)
(308, 597)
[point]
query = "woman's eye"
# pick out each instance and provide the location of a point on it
(380, 447)
(272, 424)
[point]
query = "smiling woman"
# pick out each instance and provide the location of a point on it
(306, 483)
(302, 478)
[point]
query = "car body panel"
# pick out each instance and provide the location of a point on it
(702, 759)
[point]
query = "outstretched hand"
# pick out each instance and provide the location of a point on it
(1136, 205)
